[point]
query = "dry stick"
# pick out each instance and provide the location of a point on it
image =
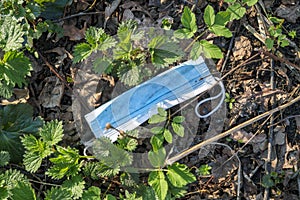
(280, 59)
(78, 15)
(228, 132)
(271, 134)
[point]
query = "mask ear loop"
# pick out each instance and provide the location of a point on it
(87, 145)
(222, 93)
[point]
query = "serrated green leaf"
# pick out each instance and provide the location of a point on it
(236, 10)
(101, 64)
(157, 158)
(93, 193)
(82, 51)
(188, 20)
(131, 77)
(163, 51)
(269, 43)
(222, 18)
(158, 182)
(12, 32)
(4, 158)
(65, 163)
(209, 15)
(178, 119)
(168, 136)
(156, 119)
(58, 193)
(250, 2)
(3, 193)
(14, 67)
(211, 50)
(179, 175)
(75, 185)
(11, 177)
(23, 191)
(183, 33)
(157, 130)
(196, 51)
(32, 161)
(6, 90)
(52, 132)
(157, 141)
(93, 35)
(178, 129)
(220, 30)
(15, 121)
(111, 155)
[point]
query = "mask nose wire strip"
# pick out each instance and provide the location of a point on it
(222, 93)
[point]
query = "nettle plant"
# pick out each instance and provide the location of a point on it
(18, 29)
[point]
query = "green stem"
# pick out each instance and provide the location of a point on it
(194, 40)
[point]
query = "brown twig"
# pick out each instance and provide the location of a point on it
(228, 132)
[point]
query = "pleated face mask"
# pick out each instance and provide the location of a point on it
(135, 106)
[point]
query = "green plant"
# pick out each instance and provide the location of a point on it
(17, 34)
(229, 100)
(272, 179)
(277, 38)
(121, 57)
(204, 170)
(16, 121)
(170, 182)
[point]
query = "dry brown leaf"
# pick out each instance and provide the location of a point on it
(73, 32)
(109, 10)
(242, 48)
(290, 13)
(52, 93)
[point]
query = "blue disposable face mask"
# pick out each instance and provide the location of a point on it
(135, 106)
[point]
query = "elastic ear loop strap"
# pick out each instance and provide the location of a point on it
(222, 93)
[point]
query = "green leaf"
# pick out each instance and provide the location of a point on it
(269, 43)
(32, 161)
(111, 155)
(110, 197)
(179, 175)
(93, 193)
(53, 9)
(158, 182)
(267, 181)
(211, 50)
(156, 119)
(168, 136)
(188, 20)
(157, 130)
(157, 158)
(157, 141)
(250, 2)
(4, 158)
(11, 34)
(75, 186)
(162, 112)
(178, 129)
(222, 18)
(178, 119)
(82, 51)
(52, 132)
(58, 193)
(101, 64)
(236, 10)
(131, 77)
(23, 191)
(196, 50)
(183, 33)
(209, 16)
(220, 30)
(164, 51)
(229, 1)
(14, 67)
(65, 163)
(15, 121)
